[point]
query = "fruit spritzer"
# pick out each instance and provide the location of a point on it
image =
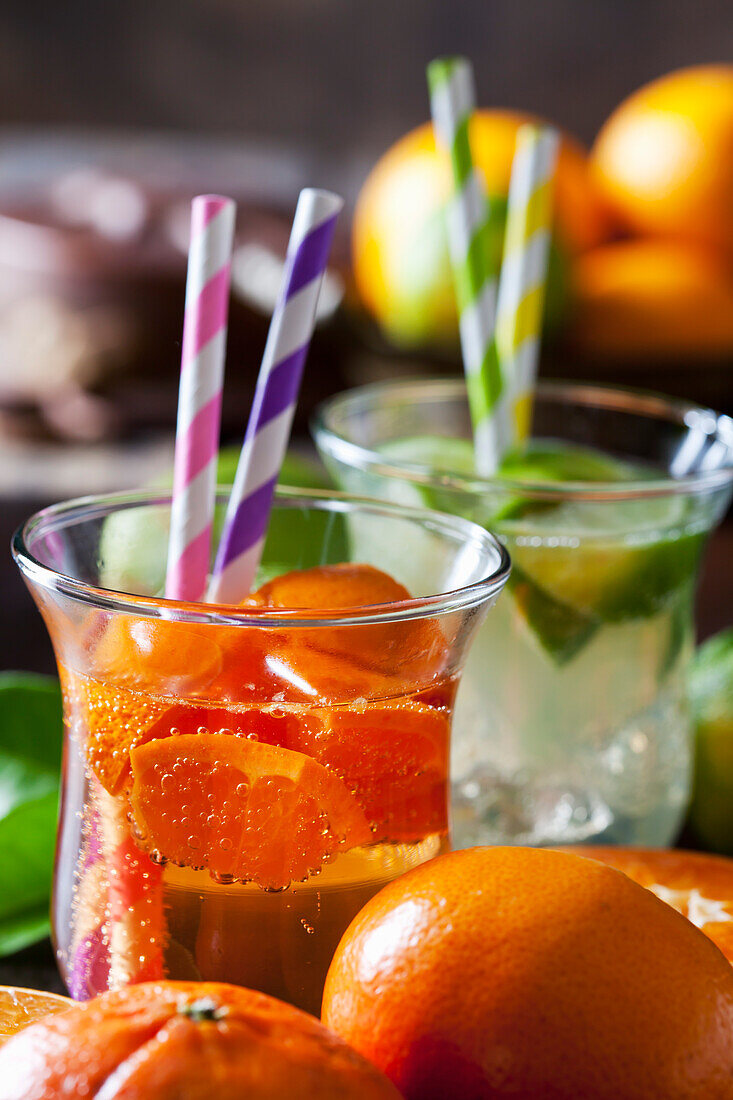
(571, 720)
(239, 782)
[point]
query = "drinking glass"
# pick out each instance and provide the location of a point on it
(239, 780)
(571, 721)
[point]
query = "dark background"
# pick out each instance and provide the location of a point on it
(342, 77)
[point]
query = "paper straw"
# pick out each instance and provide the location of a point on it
(268, 429)
(135, 919)
(471, 224)
(199, 396)
(523, 277)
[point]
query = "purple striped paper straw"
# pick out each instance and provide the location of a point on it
(199, 396)
(271, 418)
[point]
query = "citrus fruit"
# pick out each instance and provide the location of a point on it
(664, 159)
(648, 297)
(399, 249)
(696, 885)
(145, 666)
(357, 660)
(331, 587)
(21, 1007)
(187, 1040)
(575, 563)
(394, 757)
(516, 972)
(711, 700)
(158, 655)
(244, 810)
(108, 721)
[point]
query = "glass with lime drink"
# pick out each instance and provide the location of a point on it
(571, 725)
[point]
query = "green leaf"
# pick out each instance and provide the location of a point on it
(31, 721)
(31, 734)
(21, 781)
(27, 842)
(23, 929)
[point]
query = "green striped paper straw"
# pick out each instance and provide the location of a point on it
(471, 226)
(521, 296)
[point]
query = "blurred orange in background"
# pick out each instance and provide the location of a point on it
(655, 298)
(642, 263)
(664, 163)
(664, 159)
(399, 248)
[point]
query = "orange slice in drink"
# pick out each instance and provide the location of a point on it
(244, 810)
(21, 1007)
(331, 587)
(395, 759)
(340, 664)
(108, 720)
(697, 885)
(392, 756)
(157, 655)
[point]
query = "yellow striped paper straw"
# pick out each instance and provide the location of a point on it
(471, 223)
(523, 277)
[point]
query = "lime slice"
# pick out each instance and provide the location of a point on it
(550, 460)
(541, 460)
(604, 561)
(615, 560)
(440, 454)
(561, 630)
(711, 702)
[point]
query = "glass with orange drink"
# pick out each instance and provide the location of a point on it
(239, 781)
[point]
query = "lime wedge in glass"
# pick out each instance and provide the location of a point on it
(577, 563)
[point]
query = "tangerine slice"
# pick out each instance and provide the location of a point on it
(340, 664)
(21, 1007)
(108, 720)
(393, 756)
(330, 587)
(244, 810)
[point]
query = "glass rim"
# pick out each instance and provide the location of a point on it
(435, 390)
(57, 516)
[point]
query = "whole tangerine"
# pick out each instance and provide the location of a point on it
(664, 159)
(185, 1041)
(399, 246)
(652, 298)
(525, 973)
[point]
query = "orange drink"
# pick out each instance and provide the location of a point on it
(239, 781)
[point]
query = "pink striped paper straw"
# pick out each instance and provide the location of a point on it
(135, 915)
(199, 396)
(271, 418)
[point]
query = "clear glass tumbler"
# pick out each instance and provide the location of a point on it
(238, 781)
(571, 721)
